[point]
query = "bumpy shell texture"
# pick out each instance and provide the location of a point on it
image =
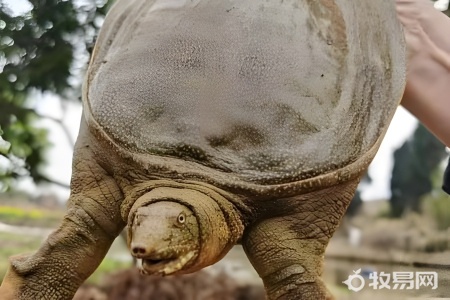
(270, 91)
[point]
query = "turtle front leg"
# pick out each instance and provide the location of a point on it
(287, 249)
(76, 248)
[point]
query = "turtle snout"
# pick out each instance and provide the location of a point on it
(139, 250)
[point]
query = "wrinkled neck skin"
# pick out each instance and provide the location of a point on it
(211, 226)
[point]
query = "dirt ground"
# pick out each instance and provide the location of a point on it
(233, 278)
(203, 285)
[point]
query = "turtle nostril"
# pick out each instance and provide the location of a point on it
(138, 250)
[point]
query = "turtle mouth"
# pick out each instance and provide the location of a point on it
(165, 266)
(155, 262)
(155, 265)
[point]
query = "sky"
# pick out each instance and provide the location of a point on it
(19, 6)
(59, 156)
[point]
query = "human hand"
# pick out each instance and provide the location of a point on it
(427, 92)
(426, 30)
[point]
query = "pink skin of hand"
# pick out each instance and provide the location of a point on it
(427, 93)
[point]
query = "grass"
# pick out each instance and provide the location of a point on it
(29, 216)
(13, 243)
(108, 266)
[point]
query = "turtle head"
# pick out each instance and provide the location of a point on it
(165, 235)
(181, 230)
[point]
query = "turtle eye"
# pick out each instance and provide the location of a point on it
(181, 218)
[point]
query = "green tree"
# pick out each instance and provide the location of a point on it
(414, 164)
(37, 54)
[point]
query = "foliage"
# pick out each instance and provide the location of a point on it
(34, 55)
(4, 145)
(5, 162)
(29, 217)
(438, 207)
(37, 54)
(414, 163)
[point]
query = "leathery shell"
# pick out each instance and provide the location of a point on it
(268, 92)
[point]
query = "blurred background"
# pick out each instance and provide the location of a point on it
(399, 219)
